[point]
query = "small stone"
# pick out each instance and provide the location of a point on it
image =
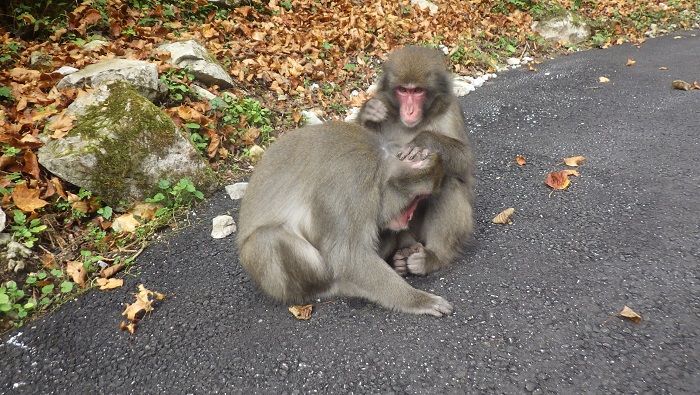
(65, 70)
(311, 118)
(513, 61)
(237, 190)
(222, 226)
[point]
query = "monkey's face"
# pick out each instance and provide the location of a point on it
(410, 99)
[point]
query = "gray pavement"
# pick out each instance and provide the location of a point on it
(531, 299)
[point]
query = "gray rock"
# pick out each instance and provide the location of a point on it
(205, 67)
(65, 70)
(222, 226)
(143, 76)
(563, 28)
(121, 145)
(237, 190)
(3, 220)
(203, 93)
(14, 254)
(95, 45)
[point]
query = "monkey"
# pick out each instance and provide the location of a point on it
(317, 201)
(414, 106)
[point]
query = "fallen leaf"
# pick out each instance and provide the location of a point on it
(631, 62)
(557, 180)
(131, 327)
(77, 272)
(125, 223)
(570, 172)
(111, 270)
(301, 312)
(603, 79)
(574, 161)
(61, 125)
(629, 313)
(144, 210)
(531, 67)
(109, 283)
(681, 85)
(27, 199)
(520, 160)
(503, 217)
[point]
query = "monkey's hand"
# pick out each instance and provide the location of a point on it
(374, 110)
(410, 153)
(411, 260)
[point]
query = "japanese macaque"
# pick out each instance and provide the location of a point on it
(311, 218)
(414, 107)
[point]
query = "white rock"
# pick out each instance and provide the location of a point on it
(513, 61)
(311, 118)
(353, 112)
(205, 94)
(3, 220)
(462, 87)
(95, 45)
(65, 70)
(237, 190)
(204, 66)
(563, 28)
(423, 4)
(222, 226)
(478, 82)
(143, 76)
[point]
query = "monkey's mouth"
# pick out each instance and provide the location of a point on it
(402, 220)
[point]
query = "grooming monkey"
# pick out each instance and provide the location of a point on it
(311, 218)
(415, 107)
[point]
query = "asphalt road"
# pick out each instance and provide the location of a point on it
(532, 299)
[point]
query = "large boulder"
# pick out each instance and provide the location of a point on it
(121, 145)
(143, 76)
(564, 28)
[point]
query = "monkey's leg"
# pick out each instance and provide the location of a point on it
(285, 265)
(447, 225)
(375, 281)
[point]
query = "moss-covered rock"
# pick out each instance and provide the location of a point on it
(121, 145)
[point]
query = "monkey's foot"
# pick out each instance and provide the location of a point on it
(373, 111)
(410, 260)
(432, 305)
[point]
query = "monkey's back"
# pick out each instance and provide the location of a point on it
(317, 172)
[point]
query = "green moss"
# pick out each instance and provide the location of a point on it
(121, 155)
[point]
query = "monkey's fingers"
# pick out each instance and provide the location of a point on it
(374, 111)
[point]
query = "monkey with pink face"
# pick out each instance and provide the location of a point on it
(415, 107)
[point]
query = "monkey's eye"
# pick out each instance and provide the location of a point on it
(418, 91)
(402, 89)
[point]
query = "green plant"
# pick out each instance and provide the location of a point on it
(12, 304)
(176, 80)
(175, 196)
(232, 110)
(9, 53)
(25, 231)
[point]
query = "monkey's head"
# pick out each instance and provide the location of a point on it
(415, 80)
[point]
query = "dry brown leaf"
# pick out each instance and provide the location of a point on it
(77, 272)
(603, 79)
(111, 270)
(144, 210)
(125, 223)
(631, 62)
(681, 85)
(301, 312)
(570, 172)
(629, 313)
(109, 283)
(27, 199)
(503, 217)
(131, 327)
(520, 160)
(61, 125)
(531, 67)
(557, 180)
(574, 161)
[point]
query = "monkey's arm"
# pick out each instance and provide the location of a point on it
(372, 113)
(456, 156)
